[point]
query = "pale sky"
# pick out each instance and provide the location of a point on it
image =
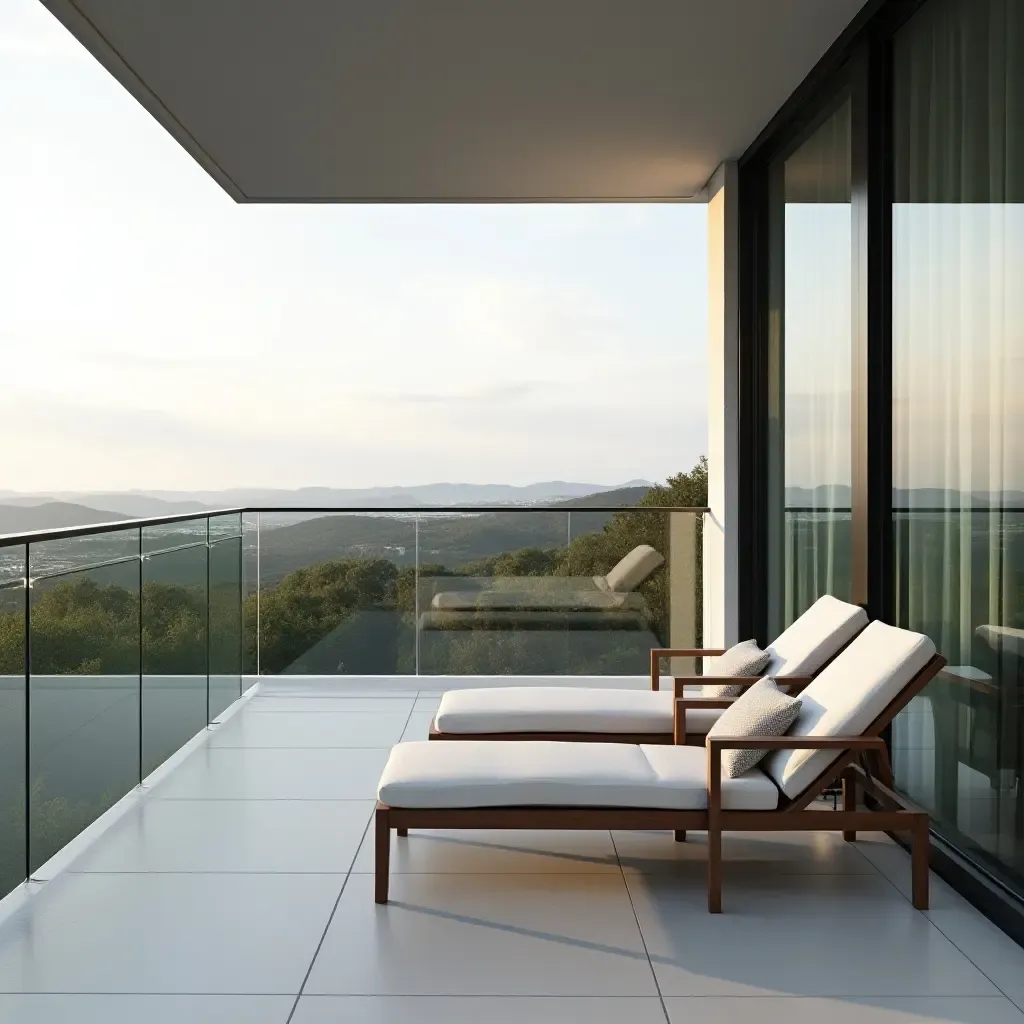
(157, 335)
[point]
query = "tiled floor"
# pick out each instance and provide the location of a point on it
(240, 890)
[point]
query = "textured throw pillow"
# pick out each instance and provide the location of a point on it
(764, 710)
(743, 659)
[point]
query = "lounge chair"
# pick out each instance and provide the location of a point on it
(640, 716)
(551, 785)
(587, 603)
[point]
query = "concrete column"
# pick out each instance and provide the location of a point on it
(721, 568)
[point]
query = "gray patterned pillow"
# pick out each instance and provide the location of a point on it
(764, 710)
(742, 659)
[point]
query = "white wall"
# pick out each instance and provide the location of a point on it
(721, 569)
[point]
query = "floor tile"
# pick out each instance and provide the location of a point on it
(771, 852)
(318, 705)
(326, 729)
(476, 1009)
(995, 953)
(484, 935)
(155, 933)
(418, 727)
(108, 1009)
(849, 1010)
(889, 949)
(233, 835)
(260, 774)
(760, 893)
(490, 852)
(427, 704)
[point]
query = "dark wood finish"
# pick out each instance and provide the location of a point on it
(562, 819)
(791, 684)
(680, 737)
(382, 854)
(849, 801)
(680, 835)
(561, 737)
(401, 832)
(657, 653)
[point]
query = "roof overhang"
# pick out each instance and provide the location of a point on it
(459, 100)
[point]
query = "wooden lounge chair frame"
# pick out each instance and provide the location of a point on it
(863, 762)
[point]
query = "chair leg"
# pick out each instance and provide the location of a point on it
(401, 832)
(714, 868)
(919, 862)
(680, 835)
(382, 866)
(849, 803)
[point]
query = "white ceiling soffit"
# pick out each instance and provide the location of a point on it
(460, 100)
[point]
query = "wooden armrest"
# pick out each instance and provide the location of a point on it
(657, 653)
(795, 743)
(683, 704)
(681, 682)
(716, 744)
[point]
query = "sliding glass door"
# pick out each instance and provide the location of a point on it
(810, 335)
(958, 415)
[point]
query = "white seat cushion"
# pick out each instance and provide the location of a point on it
(816, 636)
(847, 697)
(563, 709)
(485, 773)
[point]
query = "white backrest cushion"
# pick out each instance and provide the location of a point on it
(815, 637)
(632, 570)
(847, 697)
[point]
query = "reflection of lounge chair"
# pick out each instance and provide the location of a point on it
(637, 716)
(549, 785)
(549, 602)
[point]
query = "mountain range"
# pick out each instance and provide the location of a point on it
(23, 512)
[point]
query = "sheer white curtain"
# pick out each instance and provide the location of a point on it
(958, 321)
(813, 439)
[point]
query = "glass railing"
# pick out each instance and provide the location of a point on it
(483, 591)
(118, 644)
(815, 560)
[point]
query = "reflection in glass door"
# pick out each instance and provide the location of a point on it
(810, 365)
(958, 417)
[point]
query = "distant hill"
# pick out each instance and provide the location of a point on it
(140, 504)
(621, 496)
(52, 515)
(441, 494)
(444, 539)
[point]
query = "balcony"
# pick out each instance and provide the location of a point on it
(199, 853)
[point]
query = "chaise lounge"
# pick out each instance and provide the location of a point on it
(643, 716)
(543, 784)
(586, 603)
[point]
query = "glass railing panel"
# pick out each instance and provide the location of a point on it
(250, 592)
(174, 638)
(337, 593)
(225, 612)
(548, 592)
(816, 561)
(13, 831)
(84, 685)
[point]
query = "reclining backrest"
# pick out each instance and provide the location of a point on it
(631, 570)
(816, 636)
(847, 697)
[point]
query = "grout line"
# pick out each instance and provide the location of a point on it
(490, 995)
(330, 919)
(640, 931)
(926, 914)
